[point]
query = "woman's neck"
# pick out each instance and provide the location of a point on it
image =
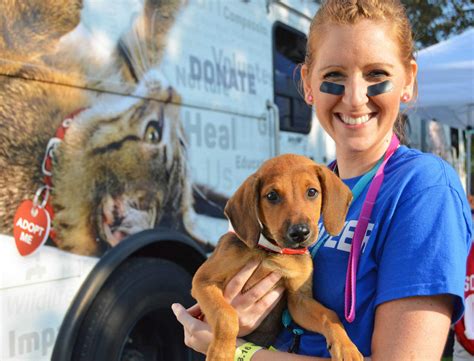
(353, 164)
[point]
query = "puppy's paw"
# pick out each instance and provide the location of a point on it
(344, 351)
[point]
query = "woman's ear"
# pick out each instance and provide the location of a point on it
(305, 77)
(410, 77)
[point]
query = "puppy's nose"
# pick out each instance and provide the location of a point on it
(298, 232)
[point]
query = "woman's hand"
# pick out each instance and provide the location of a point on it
(255, 304)
(197, 334)
(252, 307)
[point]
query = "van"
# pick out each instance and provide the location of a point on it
(125, 127)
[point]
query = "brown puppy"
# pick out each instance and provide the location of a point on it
(282, 201)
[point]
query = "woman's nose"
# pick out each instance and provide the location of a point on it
(355, 93)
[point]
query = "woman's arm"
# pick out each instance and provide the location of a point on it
(414, 328)
(267, 355)
(198, 335)
(252, 306)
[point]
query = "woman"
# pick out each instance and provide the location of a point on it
(410, 275)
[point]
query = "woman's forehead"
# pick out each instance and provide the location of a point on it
(366, 42)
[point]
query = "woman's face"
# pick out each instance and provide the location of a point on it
(357, 56)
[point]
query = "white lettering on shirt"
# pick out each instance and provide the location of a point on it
(345, 240)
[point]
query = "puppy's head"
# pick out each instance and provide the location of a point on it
(284, 199)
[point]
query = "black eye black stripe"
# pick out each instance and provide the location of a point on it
(379, 88)
(372, 90)
(331, 88)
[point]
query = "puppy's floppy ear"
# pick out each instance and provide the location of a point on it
(336, 198)
(241, 210)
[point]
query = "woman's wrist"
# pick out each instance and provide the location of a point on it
(240, 342)
(245, 350)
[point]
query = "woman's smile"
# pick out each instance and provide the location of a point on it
(355, 120)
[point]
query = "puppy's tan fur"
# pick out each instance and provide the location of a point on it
(290, 176)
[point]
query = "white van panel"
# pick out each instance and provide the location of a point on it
(35, 293)
(220, 58)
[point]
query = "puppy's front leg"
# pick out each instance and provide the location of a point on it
(313, 316)
(222, 318)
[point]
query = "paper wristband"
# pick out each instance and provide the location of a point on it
(246, 351)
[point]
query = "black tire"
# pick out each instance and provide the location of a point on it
(131, 319)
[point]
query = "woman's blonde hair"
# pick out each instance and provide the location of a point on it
(352, 11)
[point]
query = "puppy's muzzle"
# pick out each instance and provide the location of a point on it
(298, 233)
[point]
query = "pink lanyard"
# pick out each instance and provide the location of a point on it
(359, 233)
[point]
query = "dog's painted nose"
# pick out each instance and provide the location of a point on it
(298, 232)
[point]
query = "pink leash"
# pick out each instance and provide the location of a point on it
(359, 233)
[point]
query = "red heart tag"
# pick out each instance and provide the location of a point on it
(31, 227)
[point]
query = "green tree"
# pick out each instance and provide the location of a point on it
(435, 20)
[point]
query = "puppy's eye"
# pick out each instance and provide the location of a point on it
(312, 193)
(273, 196)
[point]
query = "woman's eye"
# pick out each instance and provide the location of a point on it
(333, 75)
(312, 193)
(272, 196)
(378, 74)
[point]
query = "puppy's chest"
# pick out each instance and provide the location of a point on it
(295, 271)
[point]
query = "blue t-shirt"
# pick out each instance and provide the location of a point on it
(416, 244)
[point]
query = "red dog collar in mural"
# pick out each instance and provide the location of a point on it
(33, 218)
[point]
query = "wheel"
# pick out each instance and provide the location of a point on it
(131, 318)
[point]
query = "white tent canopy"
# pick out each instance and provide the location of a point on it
(446, 81)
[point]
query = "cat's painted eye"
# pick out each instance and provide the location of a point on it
(153, 132)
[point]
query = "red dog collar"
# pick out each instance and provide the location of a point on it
(272, 247)
(265, 244)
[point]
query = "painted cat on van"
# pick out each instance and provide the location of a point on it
(122, 161)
